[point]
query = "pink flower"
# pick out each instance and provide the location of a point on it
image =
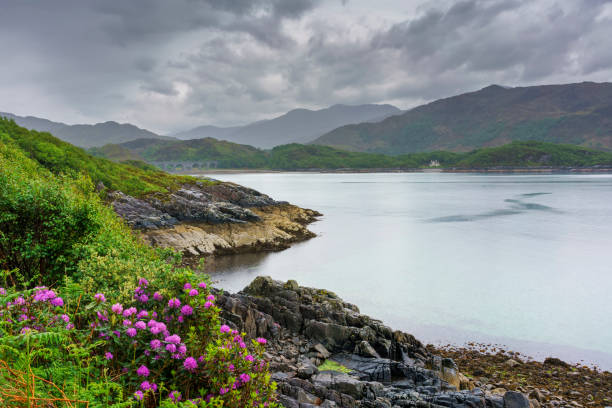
(108, 355)
(100, 297)
(127, 322)
(174, 302)
(223, 390)
(140, 325)
(2, 291)
(182, 349)
(142, 313)
(224, 329)
(129, 312)
(190, 364)
(117, 308)
(181, 319)
(261, 340)
(208, 305)
(230, 368)
(171, 348)
(65, 318)
(143, 282)
(116, 333)
(155, 344)
(187, 310)
(202, 285)
(131, 332)
(143, 298)
(138, 395)
(157, 296)
(194, 292)
(175, 396)
(210, 297)
(244, 378)
(187, 286)
(143, 371)
(175, 339)
(69, 326)
(145, 385)
(249, 357)
(57, 302)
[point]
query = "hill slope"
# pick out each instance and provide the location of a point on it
(296, 126)
(85, 135)
(579, 114)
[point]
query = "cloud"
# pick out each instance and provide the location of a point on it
(168, 66)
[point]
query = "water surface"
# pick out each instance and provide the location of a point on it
(522, 260)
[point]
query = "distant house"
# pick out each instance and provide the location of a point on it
(434, 163)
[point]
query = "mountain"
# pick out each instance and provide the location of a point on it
(579, 114)
(296, 126)
(85, 135)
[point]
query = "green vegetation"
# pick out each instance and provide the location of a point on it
(67, 346)
(331, 365)
(63, 158)
(308, 157)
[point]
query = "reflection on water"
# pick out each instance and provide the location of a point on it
(519, 259)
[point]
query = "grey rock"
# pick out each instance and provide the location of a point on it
(513, 399)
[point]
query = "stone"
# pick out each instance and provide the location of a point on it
(513, 399)
(319, 348)
(537, 395)
(364, 348)
(306, 369)
(511, 362)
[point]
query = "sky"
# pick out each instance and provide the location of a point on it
(169, 66)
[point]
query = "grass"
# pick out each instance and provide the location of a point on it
(331, 365)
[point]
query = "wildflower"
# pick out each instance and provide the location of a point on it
(175, 396)
(130, 311)
(25, 330)
(207, 305)
(171, 347)
(22, 317)
(142, 314)
(202, 285)
(223, 390)
(143, 298)
(154, 387)
(242, 345)
(2, 291)
(57, 302)
(145, 385)
(261, 340)
(143, 282)
(175, 339)
(187, 286)
(69, 326)
(143, 371)
(102, 316)
(155, 344)
(116, 333)
(230, 368)
(108, 355)
(190, 364)
(158, 328)
(138, 395)
(174, 302)
(210, 297)
(65, 318)
(19, 301)
(249, 357)
(157, 296)
(140, 325)
(224, 329)
(245, 378)
(182, 349)
(131, 332)
(127, 322)
(181, 319)
(100, 298)
(117, 308)
(186, 310)
(194, 292)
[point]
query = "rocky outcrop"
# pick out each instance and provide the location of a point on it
(208, 218)
(380, 367)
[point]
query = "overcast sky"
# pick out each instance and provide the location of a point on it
(172, 65)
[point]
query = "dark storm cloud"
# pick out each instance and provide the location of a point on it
(169, 65)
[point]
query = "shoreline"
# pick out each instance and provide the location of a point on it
(494, 170)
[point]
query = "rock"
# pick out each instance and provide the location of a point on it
(511, 363)
(552, 361)
(319, 348)
(340, 382)
(498, 390)
(513, 399)
(306, 368)
(537, 395)
(364, 348)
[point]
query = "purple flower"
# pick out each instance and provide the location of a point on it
(244, 378)
(145, 385)
(190, 364)
(131, 332)
(230, 368)
(108, 355)
(57, 302)
(155, 344)
(261, 340)
(129, 312)
(2, 291)
(194, 292)
(100, 297)
(186, 310)
(102, 316)
(19, 301)
(207, 305)
(174, 302)
(65, 318)
(187, 286)
(181, 319)
(143, 371)
(117, 333)
(249, 357)
(140, 325)
(127, 322)
(157, 296)
(210, 297)
(182, 349)
(175, 339)
(175, 396)
(223, 390)
(171, 347)
(142, 314)
(138, 395)
(158, 328)
(224, 329)
(154, 387)
(143, 282)
(143, 298)
(117, 308)
(202, 285)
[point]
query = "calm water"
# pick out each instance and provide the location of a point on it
(519, 260)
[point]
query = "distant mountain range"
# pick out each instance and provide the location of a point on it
(579, 114)
(296, 126)
(85, 135)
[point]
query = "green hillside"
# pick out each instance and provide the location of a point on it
(579, 114)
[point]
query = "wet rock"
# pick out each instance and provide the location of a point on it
(513, 399)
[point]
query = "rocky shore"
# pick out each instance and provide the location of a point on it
(215, 219)
(312, 330)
